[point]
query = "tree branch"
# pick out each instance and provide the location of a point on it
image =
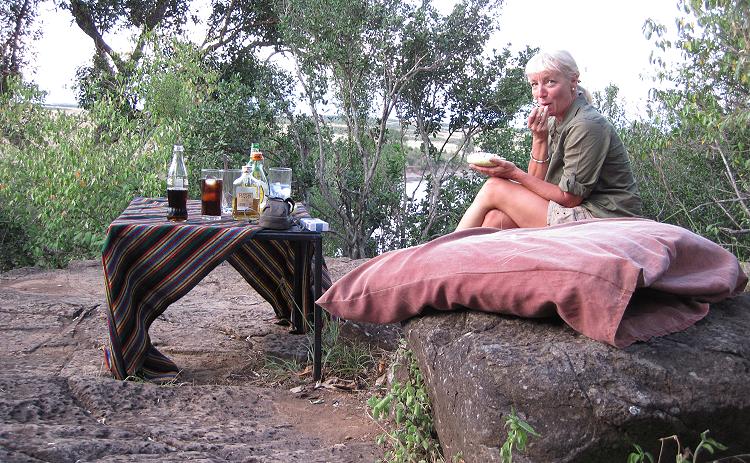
(85, 21)
(742, 231)
(730, 175)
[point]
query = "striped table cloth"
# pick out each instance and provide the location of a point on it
(150, 263)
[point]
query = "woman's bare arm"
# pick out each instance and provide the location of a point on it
(546, 190)
(537, 123)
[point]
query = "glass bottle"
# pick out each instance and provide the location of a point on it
(244, 201)
(254, 148)
(259, 174)
(250, 189)
(177, 186)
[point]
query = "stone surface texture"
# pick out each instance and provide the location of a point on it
(58, 403)
(589, 401)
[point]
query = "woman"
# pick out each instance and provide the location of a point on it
(578, 170)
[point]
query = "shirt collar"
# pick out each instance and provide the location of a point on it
(575, 106)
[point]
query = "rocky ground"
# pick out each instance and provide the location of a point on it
(58, 402)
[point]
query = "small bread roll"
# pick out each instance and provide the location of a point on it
(482, 158)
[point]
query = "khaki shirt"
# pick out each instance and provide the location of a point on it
(588, 159)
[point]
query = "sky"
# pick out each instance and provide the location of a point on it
(604, 36)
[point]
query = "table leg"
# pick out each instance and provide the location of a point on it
(318, 317)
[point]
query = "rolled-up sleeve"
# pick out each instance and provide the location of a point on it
(585, 148)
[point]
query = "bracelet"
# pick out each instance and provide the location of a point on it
(541, 162)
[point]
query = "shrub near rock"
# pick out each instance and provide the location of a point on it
(589, 402)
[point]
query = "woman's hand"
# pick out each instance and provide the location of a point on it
(501, 169)
(537, 122)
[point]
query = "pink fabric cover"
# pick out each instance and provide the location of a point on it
(613, 280)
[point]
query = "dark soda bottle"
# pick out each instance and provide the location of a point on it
(177, 186)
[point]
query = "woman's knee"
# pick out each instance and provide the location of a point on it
(494, 216)
(493, 187)
(498, 219)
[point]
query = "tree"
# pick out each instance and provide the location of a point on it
(349, 52)
(241, 26)
(476, 95)
(16, 29)
(371, 60)
(608, 103)
(706, 112)
(235, 28)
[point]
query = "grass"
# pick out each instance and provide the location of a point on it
(343, 357)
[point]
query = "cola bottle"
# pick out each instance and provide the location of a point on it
(177, 186)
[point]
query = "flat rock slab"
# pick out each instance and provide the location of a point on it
(58, 403)
(589, 401)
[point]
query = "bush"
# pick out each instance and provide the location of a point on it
(685, 186)
(68, 176)
(65, 177)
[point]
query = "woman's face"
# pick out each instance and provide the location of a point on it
(553, 90)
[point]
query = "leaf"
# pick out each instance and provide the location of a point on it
(527, 427)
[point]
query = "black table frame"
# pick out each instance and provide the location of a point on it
(301, 239)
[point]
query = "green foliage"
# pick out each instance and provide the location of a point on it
(17, 30)
(699, 126)
(456, 194)
(478, 95)
(11, 235)
(343, 358)
(518, 436)
(706, 443)
(361, 59)
(511, 143)
(639, 456)
(187, 100)
(65, 177)
(343, 49)
(446, 197)
(678, 185)
(366, 58)
(609, 105)
(406, 406)
(68, 176)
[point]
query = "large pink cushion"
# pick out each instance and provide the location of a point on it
(586, 272)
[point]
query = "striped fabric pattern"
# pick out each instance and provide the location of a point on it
(149, 263)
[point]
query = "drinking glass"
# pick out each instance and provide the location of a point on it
(280, 182)
(229, 176)
(211, 185)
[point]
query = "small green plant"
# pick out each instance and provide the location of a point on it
(344, 358)
(410, 436)
(706, 443)
(639, 456)
(518, 436)
(277, 371)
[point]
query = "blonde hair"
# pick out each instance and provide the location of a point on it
(558, 60)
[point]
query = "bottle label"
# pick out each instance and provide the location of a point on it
(245, 196)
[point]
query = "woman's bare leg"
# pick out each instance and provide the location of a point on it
(521, 206)
(498, 219)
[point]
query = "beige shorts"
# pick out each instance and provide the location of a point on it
(559, 214)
